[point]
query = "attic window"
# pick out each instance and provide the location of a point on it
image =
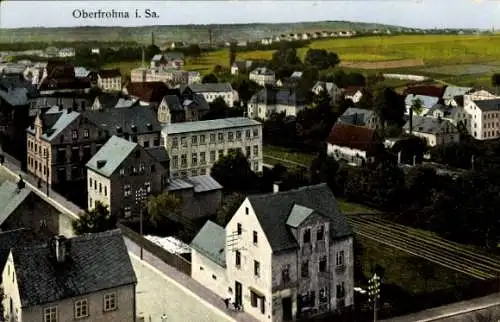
(134, 128)
(246, 210)
(118, 129)
(149, 126)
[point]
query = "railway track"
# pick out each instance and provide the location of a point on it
(437, 250)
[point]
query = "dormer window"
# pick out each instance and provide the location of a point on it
(134, 128)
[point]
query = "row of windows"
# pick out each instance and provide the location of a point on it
(95, 185)
(213, 137)
(201, 158)
(211, 97)
(36, 166)
(193, 173)
(81, 308)
(37, 149)
(127, 190)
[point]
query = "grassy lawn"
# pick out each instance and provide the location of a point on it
(287, 154)
(349, 207)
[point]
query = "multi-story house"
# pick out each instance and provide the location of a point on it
(436, 131)
(282, 256)
(136, 123)
(484, 109)
(451, 92)
(454, 112)
(211, 91)
(88, 278)
(359, 117)
(59, 143)
(276, 100)
(121, 173)
(331, 88)
(59, 77)
(109, 80)
(195, 146)
(263, 76)
(187, 108)
(171, 76)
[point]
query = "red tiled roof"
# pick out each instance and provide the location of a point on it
(352, 136)
(351, 90)
(148, 91)
(110, 73)
(427, 90)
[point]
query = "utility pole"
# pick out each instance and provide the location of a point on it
(140, 196)
(374, 293)
(48, 171)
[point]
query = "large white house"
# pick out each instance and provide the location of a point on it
(194, 147)
(275, 100)
(109, 80)
(282, 256)
(211, 91)
(484, 109)
(263, 76)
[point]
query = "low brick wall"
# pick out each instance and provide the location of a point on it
(174, 260)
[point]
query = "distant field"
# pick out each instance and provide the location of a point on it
(125, 67)
(466, 69)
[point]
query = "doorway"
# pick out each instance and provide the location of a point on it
(238, 293)
(286, 305)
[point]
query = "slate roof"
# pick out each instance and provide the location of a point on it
(423, 124)
(8, 82)
(49, 101)
(272, 96)
(426, 101)
(211, 242)
(110, 73)
(54, 122)
(173, 103)
(297, 215)
(352, 136)
(11, 198)
(148, 91)
(113, 153)
(8, 240)
(202, 183)
(210, 87)
(195, 101)
(124, 118)
(356, 116)
(488, 105)
(452, 91)
(209, 125)
(95, 262)
(263, 71)
(273, 211)
(159, 153)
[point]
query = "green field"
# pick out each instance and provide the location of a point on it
(288, 155)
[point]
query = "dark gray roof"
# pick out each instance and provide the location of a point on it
(283, 96)
(195, 101)
(453, 91)
(94, 263)
(112, 154)
(211, 242)
(66, 102)
(209, 125)
(210, 87)
(201, 183)
(125, 118)
(173, 103)
(425, 124)
(159, 153)
(273, 211)
(356, 116)
(488, 105)
(8, 240)
(108, 100)
(54, 122)
(11, 198)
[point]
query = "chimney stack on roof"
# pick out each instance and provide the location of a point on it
(59, 248)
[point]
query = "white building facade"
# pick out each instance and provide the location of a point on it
(262, 76)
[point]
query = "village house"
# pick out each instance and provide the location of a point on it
(170, 76)
(120, 174)
(240, 67)
(59, 142)
(425, 102)
(66, 52)
(148, 93)
(333, 90)
(109, 80)
(187, 108)
(195, 146)
(263, 76)
(455, 113)
(355, 145)
(452, 92)
(59, 77)
(22, 208)
(276, 100)
(68, 277)
(484, 109)
(201, 195)
(353, 93)
(137, 124)
(212, 91)
(359, 117)
(290, 82)
(112, 100)
(436, 131)
(283, 256)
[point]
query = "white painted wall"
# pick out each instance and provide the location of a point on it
(203, 270)
(341, 152)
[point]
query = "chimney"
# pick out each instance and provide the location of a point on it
(59, 248)
(276, 187)
(60, 107)
(149, 126)
(414, 159)
(399, 157)
(411, 120)
(69, 110)
(101, 163)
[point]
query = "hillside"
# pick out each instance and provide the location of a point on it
(188, 33)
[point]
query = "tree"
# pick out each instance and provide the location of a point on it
(210, 78)
(233, 172)
(245, 88)
(389, 106)
(95, 220)
(151, 50)
(322, 59)
(325, 169)
(285, 57)
(218, 110)
(163, 206)
(232, 53)
(229, 206)
(416, 106)
(293, 179)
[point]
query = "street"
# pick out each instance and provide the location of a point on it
(157, 295)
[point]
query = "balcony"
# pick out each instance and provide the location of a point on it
(340, 269)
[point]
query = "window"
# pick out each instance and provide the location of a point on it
(86, 133)
(239, 229)
(74, 134)
(183, 160)
(146, 144)
(221, 154)
(340, 290)
(307, 236)
(127, 211)
(220, 137)
(323, 295)
(247, 134)
(230, 136)
(105, 191)
(248, 152)
(322, 264)
(253, 299)
(156, 142)
(256, 268)
(194, 159)
(184, 141)
(203, 172)
(90, 182)
(214, 277)
(320, 233)
(110, 302)
(194, 139)
(100, 188)
(212, 137)
(285, 273)
(202, 158)
(255, 150)
(175, 161)
(246, 211)
(202, 139)
(255, 238)
(255, 132)
(127, 190)
(238, 135)
(238, 258)
(175, 142)
(152, 168)
(212, 156)
(340, 258)
(81, 309)
(304, 269)
(263, 305)
(50, 314)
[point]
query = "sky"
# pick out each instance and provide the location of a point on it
(483, 14)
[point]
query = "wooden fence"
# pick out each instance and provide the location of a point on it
(174, 260)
